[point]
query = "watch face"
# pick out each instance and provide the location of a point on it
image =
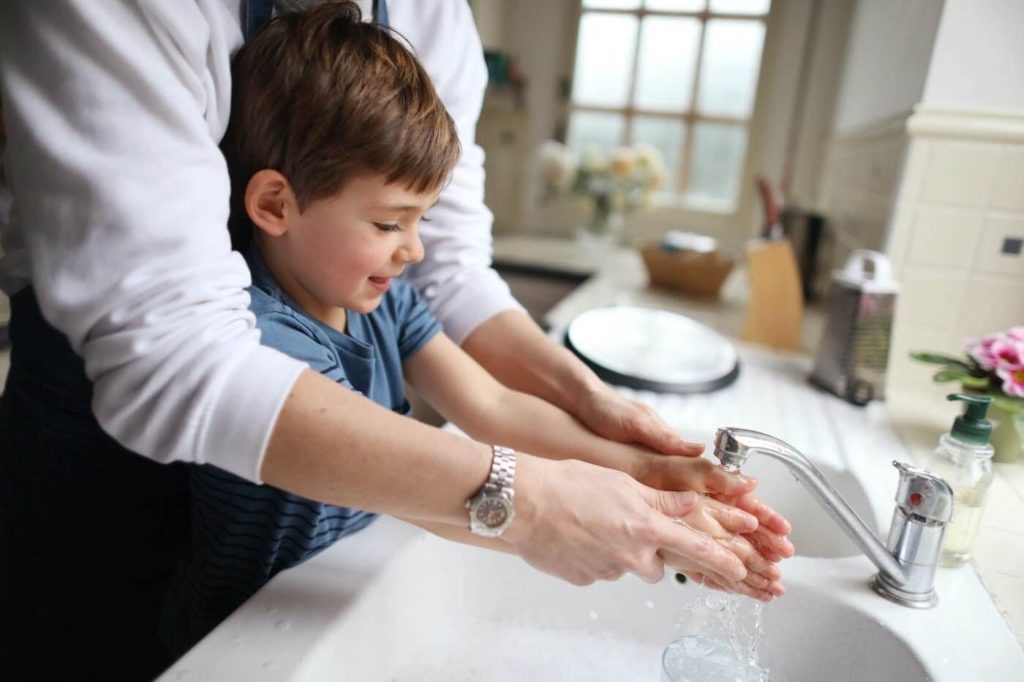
(492, 512)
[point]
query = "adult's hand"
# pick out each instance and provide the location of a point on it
(728, 525)
(583, 523)
(615, 417)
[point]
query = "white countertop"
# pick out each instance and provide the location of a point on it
(619, 278)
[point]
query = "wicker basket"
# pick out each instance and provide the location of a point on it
(700, 274)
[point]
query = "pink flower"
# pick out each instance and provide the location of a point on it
(1016, 333)
(1013, 380)
(981, 351)
(1008, 353)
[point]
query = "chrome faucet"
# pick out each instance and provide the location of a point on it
(924, 505)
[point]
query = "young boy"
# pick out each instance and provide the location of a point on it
(338, 145)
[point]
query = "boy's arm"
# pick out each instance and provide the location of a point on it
(513, 348)
(466, 394)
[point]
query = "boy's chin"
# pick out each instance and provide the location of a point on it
(365, 305)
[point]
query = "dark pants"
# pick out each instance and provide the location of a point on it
(89, 532)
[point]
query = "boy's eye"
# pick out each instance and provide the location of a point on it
(389, 227)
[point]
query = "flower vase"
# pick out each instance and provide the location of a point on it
(1007, 434)
(605, 224)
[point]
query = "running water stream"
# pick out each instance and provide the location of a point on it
(724, 635)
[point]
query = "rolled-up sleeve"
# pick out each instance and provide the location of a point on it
(114, 111)
(456, 278)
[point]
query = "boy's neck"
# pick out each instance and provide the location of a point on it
(332, 316)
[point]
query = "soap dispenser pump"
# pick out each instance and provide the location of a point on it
(964, 459)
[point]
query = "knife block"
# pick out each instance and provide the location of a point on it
(775, 307)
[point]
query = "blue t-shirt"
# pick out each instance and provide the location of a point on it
(242, 533)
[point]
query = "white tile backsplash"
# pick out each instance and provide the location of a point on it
(989, 257)
(960, 173)
(990, 304)
(945, 237)
(930, 297)
(1008, 185)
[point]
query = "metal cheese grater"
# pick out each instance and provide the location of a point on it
(854, 351)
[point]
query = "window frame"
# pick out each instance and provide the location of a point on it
(678, 196)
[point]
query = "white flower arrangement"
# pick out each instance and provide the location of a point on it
(622, 180)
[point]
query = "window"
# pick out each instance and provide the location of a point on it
(679, 75)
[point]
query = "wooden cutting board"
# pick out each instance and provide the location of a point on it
(775, 308)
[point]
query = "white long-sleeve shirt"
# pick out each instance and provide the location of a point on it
(114, 111)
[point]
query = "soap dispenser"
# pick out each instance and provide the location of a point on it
(964, 459)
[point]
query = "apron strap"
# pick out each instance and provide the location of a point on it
(255, 15)
(380, 12)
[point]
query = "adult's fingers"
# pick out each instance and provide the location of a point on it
(671, 503)
(701, 551)
(761, 574)
(652, 571)
(732, 519)
(772, 546)
(643, 426)
(617, 418)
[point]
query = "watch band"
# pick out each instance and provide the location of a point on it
(503, 472)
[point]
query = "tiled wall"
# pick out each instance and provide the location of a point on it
(960, 206)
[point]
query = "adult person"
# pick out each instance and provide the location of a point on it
(131, 335)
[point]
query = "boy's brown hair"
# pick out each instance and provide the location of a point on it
(321, 96)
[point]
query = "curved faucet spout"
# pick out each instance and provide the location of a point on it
(734, 445)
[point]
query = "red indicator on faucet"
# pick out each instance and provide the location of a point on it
(915, 499)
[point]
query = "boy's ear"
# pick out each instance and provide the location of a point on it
(270, 202)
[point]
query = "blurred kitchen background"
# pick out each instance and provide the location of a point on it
(899, 123)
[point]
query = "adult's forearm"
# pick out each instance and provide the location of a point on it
(333, 445)
(514, 350)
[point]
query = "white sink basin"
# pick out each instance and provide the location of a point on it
(393, 603)
(444, 612)
(814, 533)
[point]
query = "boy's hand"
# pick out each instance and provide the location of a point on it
(728, 526)
(612, 416)
(734, 489)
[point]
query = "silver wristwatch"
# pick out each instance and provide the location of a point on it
(490, 510)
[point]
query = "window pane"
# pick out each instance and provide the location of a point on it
(604, 59)
(741, 6)
(675, 5)
(668, 58)
(611, 4)
(593, 128)
(665, 135)
(732, 60)
(717, 162)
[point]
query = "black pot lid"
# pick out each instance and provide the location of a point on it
(653, 350)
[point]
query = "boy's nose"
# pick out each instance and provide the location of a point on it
(412, 250)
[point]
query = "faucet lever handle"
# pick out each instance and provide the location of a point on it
(923, 495)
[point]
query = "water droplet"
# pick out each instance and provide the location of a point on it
(731, 467)
(283, 624)
(593, 615)
(649, 604)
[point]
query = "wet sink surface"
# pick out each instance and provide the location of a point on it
(472, 615)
